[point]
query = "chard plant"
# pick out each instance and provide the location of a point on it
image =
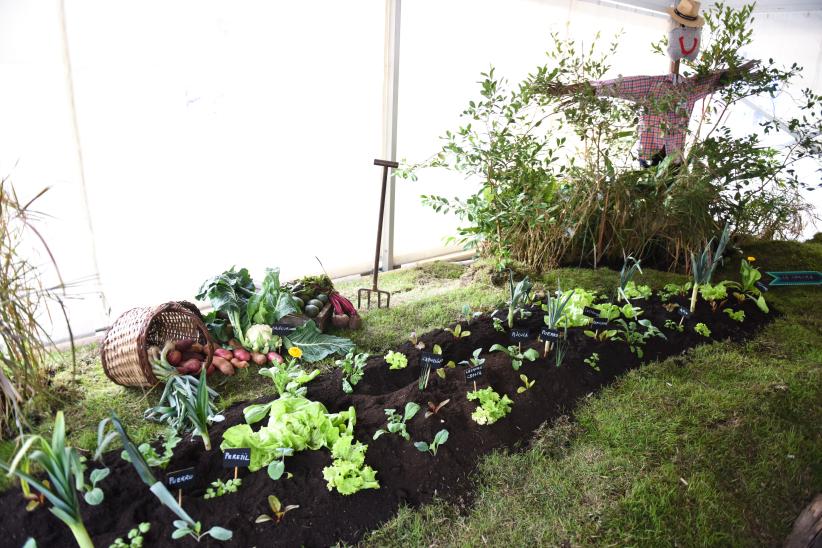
(278, 511)
(702, 329)
(353, 369)
(474, 360)
(185, 526)
(703, 267)
(457, 332)
(526, 384)
(519, 298)
(737, 316)
(65, 470)
(634, 337)
(396, 423)
(593, 361)
(516, 354)
(492, 406)
(396, 360)
(630, 266)
(434, 408)
(747, 288)
(288, 377)
(219, 488)
(439, 439)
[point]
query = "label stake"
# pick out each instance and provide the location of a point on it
(180, 497)
(235, 472)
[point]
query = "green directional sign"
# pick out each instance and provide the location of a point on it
(800, 277)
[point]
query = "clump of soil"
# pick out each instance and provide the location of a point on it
(406, 475)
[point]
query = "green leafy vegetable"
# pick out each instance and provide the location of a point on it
(271, 303)
(395, 423)
(315, 344)
(492, 406)
(219, 488)
(517, 356)
(702, 329)
(289, 377)
(228, 293)
(439, 438)
(396, 360)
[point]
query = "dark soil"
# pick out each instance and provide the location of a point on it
(406, 475)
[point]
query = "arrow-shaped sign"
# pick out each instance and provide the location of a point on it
(800, 277)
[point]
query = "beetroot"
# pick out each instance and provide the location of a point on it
(340, 321)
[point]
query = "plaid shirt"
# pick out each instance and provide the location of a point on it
(667, 107)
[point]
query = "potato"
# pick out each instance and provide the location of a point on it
(190, 367)
(273, 357)
(174, 358)
(223, 353)
(183, 345)
(197, 347)
(234, 344)
(242, 354)
(258, 358)
(223, 365)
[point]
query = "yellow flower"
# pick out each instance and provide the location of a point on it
(751, 259)
(295, 352)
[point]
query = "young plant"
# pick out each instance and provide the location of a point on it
(609, 311)
(714, 295)
(553, 308)
(457, 332)
(498, 325)
(278, 511)
(219, 488)
(492, 406)
(152, 458)
(703, 267)
(288, 377)
(516, 354)
(64, 468)
(673, 326)
(425, 370)
(439, 438)
(561, 349)
(748, 289)
(475, 360)
(593, 361)
(185, 526)
(353, 368)
(630, 311)
(674, 290)
(626, 275)
(418, 344)
(134, 537)
(276, 468)
(450, 365)
(396, 423)
(702, 329)
(434, 408)
(737, 316)
(604, 335)
(634, 291)
(519, 297)
(636, 338)
(526, 384)
(396, 360)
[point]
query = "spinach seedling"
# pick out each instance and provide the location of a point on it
(526, 384)
(439, 438)
(277, 510)
(434, 408)
(673, 326)
(516, 354)
(457, 332)
(474, 361)
(395, 423)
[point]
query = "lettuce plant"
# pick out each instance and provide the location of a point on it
(288, 377)
(348, 472)
(634, 291)
(608, 311)
(492, 406)
(396, 360)
(395, 423)
(737, 316)
(702, 329)
(516, 354)
(714, 295)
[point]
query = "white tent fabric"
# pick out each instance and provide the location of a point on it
(193, 135)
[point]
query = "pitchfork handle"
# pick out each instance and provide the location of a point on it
(385, 165)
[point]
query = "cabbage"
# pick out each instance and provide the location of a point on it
(258, 337)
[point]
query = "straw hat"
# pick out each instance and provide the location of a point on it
(686, 13)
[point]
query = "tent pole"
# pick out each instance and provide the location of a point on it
(389, 121)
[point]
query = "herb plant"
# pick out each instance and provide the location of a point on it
(353, 368)
(396, 360)
(737, 316)
(278, 511)
(516, 354)
(526, 384)
(457, 332)
(635, 337)
(593, 361)
(134, 538)
(439, 439)
(702, 329)
(396, 422)
(219, 488)
(492, 406)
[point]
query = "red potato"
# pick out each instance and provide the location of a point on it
(239, 364)
(223, 353)
(273, 357)
(183, 345)
(192, 356)
(340, 321)
(211, 369)
(197, 347)
(223, 365)
(234, 344)
(190, 367)
(258, 358)
(175, 357)
(242, 354)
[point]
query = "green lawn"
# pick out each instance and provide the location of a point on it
(719, 447)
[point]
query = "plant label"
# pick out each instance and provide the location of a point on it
(520, 335)
(282, 329)
(473, 373)
(435, 361)
(180, 479)
(590, 312)
(682, 311)
(237, 458)
(549, 334)
(799, 277)
(599, 323)
(760, 286)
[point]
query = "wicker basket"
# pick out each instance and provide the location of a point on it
(124, 348)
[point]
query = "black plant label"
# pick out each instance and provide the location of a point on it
(520, 335)
(599, 323)
(548, 334)
(435, 361)
(590, 312)
(473, 373)
(684, 312)
(282, 329)
(237, 458)
(180, 478)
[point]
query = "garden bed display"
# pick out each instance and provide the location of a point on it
(409, 471)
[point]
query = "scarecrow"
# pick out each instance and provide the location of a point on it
(667, 101)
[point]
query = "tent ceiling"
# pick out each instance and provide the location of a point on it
(762, 6)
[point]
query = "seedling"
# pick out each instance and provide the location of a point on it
(634, 291)
(747, 289)
(418, 344)
(353, 368)
(151, 456)
(604, 335)
(593, 361)
(519, 297)
(276, 468)
(195, 530)
(498, 325)
(673, 326)
(396, 423)
(737, 316)
(439, 438)
(630, 311)
(702, 329)
(561, 350)
(714, 295)
(553, 308)
(134, 537)
(425, 370)
(674, 290)
(526, 384)
(630, 266)
(703, 267)
(441, 371)
(288, 377)
(492, 406)
(516, 354)
(278, 511)
(434, 408)
(475, 360)
(396, 360)
(609, 311)
(457, 332)
(219, 488)
(635, 338)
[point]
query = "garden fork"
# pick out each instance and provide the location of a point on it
(364, 292)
